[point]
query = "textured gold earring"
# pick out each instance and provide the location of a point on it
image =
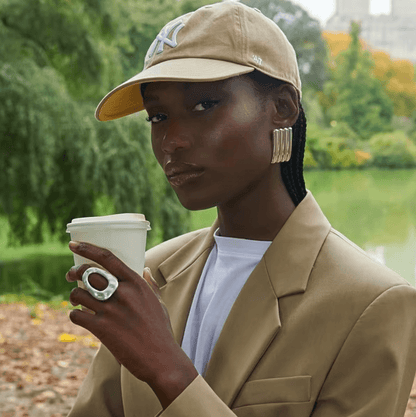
(282, 145)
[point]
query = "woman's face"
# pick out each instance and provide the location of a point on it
(213, 139)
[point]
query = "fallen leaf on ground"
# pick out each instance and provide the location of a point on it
(40, 374)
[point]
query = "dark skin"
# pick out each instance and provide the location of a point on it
(133, 324)
(231, 139)
(225, 129)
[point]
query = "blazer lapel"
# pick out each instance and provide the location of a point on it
(250, 327)
(182, 272)
(254, 319)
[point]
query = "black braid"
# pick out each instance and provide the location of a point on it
(291, 171)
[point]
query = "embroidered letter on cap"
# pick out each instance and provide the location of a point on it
(166, 36)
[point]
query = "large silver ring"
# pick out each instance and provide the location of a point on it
(104, 294)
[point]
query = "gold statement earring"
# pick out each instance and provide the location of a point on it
(282, 145)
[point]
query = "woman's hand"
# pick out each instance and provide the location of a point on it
(133, 323)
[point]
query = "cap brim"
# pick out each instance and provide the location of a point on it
(127, 99)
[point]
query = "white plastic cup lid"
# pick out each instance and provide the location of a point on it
(126, 219)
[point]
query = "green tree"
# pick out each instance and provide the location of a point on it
(304, 33)
(76, 38)
(353, 95)
(57, 59)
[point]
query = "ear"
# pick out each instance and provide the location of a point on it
(286, 106)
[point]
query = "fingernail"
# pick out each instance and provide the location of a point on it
(73, 245)
(148, 270)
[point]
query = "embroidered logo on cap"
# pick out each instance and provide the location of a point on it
(257, 59)
(167, 36)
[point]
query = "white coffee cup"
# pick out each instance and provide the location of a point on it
(123, 234)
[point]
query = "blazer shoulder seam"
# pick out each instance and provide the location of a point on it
(349, 242)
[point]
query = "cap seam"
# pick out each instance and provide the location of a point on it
(241, 34)
(247, 58)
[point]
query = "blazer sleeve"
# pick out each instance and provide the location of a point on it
(100, 392)
(198, 399)
(375, 368)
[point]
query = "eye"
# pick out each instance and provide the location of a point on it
(156, 118)
(204, 105)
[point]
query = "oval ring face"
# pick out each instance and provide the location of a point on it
(104, 294)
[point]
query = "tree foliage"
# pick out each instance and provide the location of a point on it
(397, 76)
(353, 95)
(393, 150)
(76, 38)
(399, 79)
(304, 33)
(57, 59)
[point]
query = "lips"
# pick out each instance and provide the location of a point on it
(181, 173)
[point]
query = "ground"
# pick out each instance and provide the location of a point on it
(44, 358)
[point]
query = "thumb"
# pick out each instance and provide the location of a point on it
(147, 275)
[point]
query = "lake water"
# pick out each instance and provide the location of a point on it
(375, 209)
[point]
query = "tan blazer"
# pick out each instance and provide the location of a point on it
(319, 329)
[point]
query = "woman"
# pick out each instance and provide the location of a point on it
(270, 312)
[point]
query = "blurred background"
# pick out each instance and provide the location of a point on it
(58, 58)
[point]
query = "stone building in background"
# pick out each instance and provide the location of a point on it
(394, 33)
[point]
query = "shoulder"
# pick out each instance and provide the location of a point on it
(351, 256)
(346, 285)
(348, 273)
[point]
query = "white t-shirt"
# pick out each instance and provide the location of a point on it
(228, 267)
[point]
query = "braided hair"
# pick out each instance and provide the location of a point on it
(292, 170)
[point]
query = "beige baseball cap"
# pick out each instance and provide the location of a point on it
(214, 42)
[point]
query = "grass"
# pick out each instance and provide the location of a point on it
(57, 303)
(21, 252)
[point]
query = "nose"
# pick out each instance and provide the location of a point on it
(176, 138)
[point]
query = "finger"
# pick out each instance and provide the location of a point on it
(79, 296)
(96, 280)
(105, 258)
(75, 273)
(71, 274)
(81, 318)
(147, 276)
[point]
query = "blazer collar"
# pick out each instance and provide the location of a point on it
(284, 270)
(292, 254)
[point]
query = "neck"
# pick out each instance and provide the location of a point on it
(259, 213)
